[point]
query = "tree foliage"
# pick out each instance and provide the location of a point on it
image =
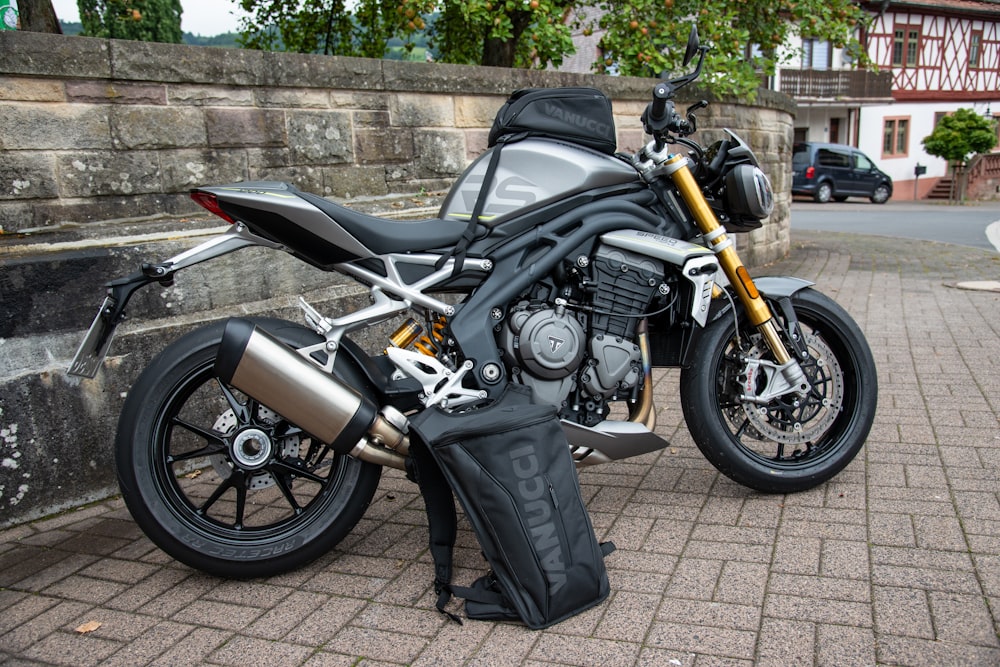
(961, 135)
(647, 37)
(318, 26)
(642, 38)
(142, 20)
(522, 33)
(511, 33)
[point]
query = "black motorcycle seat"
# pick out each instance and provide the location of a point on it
(383, 236)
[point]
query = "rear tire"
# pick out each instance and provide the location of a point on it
(271, 504)
(824, 193)
(790, 443)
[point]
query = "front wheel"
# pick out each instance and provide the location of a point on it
(222, 482)
(881, 194)
(789, 443)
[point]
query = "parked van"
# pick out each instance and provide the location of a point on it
(835, 171)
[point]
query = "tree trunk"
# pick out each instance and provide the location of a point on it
(38, 16)
(500, 53)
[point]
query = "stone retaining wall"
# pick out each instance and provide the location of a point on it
(100, 141)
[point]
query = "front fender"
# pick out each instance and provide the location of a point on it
(773, 287)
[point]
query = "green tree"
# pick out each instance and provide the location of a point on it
(498, 33)
(521, 33)
(960, 136)
(319, 26)
(142, 20)
(646, 37)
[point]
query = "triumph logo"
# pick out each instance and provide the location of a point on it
(537, 502)
(555, 344)
(578, 120)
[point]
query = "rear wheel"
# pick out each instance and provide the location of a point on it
(824, 192)
(220, 481)
(790, 442)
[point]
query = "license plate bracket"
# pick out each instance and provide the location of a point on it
(96, 343)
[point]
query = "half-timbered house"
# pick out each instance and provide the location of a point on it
(931, 57)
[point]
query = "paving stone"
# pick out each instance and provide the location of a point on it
(903, 611)
(784, 643)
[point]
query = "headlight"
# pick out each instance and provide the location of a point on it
(748, 192)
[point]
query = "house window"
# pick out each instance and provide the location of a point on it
(975, 48)
(895, 137)
(906, 45)
(816, 54)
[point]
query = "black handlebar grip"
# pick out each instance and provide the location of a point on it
(661, 94)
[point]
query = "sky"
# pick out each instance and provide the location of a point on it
(200, 17)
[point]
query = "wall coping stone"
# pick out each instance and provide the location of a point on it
(43, 55)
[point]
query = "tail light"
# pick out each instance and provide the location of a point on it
(210, 203)
(811, 172)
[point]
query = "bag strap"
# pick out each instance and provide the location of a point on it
(458, 252)
(442, 521)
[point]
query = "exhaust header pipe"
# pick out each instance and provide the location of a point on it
(262, 367)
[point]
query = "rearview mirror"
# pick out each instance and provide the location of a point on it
(692, 46)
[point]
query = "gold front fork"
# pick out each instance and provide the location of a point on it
(715, 235)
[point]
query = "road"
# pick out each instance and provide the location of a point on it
(968, 225)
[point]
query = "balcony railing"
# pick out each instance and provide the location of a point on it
(835, 84)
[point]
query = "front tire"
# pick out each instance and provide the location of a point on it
(790, 443)
(881, 194)
(223, 483)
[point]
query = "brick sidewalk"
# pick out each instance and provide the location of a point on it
(896, 561)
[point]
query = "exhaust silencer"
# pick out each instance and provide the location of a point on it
(262, 367)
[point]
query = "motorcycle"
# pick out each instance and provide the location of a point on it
(252, 446)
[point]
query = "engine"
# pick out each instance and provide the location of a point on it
(574, 342)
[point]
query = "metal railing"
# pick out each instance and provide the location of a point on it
(835, 84)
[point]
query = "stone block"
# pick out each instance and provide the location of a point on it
(292, 98)
(208, 95)
(186, 169)
(42, 55)
(305, 177)
(14, 217)
(477, 111)
(444, 78)
(115, 92)
(376, 146)
(439, 153)
(320, 137)
(46, 126)
(96, 173)
(28, 175)
(178, 63)
(245, 127)
(370, 118)
(422, 111)
(23, 89)
(325, 72)
(350, 182)
(267, 157)
(358, 100)
(138, 127)
(476, 143)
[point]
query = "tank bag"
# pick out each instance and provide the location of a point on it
(511, 468)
